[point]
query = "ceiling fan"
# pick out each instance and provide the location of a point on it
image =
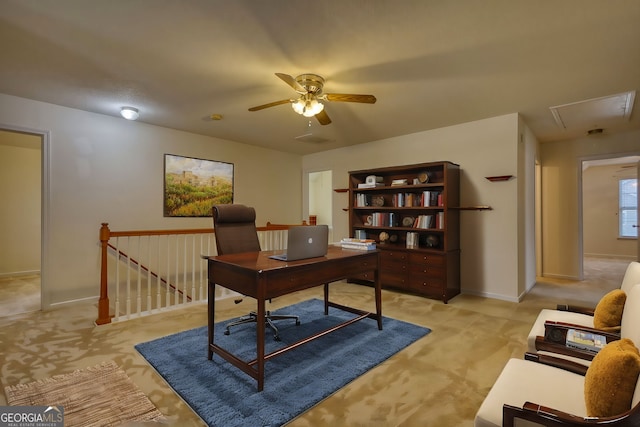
(309, 87)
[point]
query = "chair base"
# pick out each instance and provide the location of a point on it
(252, 317)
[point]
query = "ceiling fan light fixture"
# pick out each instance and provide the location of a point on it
(312, 108)
(307, 105)
(298, 105)
(129, 113)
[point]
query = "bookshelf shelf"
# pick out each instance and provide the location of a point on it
(414, 223)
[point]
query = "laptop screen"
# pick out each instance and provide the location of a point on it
(306, 241)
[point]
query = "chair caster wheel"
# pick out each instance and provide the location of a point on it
(227, 332)
(297, 323)
(276, 338)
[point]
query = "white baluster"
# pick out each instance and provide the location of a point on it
(149, 270)
(128, 292)
(117, 281)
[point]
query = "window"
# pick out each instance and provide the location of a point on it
(628, 209)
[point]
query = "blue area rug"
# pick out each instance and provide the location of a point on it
(222, 395)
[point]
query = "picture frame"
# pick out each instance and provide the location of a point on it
(192, 185)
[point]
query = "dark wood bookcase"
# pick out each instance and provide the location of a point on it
(412, 213)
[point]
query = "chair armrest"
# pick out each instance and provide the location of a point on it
(553, 417)
(560, 348)
(542, 415)
(557, 362)
(576, 309)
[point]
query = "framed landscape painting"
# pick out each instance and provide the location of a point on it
(192, 186)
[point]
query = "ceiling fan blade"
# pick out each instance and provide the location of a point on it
(271, 104)
(323, 118)
(349, 97)
(291, 82)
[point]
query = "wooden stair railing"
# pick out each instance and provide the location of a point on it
(104, 315)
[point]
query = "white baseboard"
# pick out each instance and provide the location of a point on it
(490, 295)
(612, 256)
(19, 274)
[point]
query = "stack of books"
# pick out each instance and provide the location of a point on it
(359, 244)
(370, 184)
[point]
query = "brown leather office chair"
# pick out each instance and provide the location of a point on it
(235, 232)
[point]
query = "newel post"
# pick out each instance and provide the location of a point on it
(103, 303)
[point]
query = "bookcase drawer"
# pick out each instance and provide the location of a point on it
(429, 259)
(424, 271)
(428, 285)
(392, 258)
(394, 278)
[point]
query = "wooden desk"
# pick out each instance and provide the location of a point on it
(256, 275)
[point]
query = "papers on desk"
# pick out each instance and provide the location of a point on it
(359, 244)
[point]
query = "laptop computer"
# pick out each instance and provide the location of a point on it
(305, 241)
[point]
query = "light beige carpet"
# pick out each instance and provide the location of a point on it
(101, 395)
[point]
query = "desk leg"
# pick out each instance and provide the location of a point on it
(326, 299)
(211, 315)
(378, 288)
(260, 332)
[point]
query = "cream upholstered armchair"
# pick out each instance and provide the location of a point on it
(548, 391)
(610, 306)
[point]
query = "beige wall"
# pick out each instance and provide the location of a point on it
(106, 169)
(490, 239)
(527, 160)
(600, 212)
(561, 223)
(19, 204)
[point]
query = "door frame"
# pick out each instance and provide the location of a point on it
(581, 160)
(45, 168)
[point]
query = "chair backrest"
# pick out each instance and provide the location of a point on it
(235, 229)
(630, 324)
(631, 276)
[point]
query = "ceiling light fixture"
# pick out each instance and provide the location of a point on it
(307, 105)
(129, 113)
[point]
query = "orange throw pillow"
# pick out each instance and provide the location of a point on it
(611, 379)
(608, 313)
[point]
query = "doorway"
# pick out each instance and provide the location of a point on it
(21, 178)
(320, 197)
(599, 187)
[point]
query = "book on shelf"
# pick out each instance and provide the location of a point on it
(423, 221)
(359, 244)
(584, 340)
(380, 219)
(431, 198)
(363, 200)
(412, 240)
(370, 185)
(401, 200)
(400, 182)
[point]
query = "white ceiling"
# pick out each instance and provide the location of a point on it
(429, 63)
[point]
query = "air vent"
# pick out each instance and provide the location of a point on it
(594, 112)
(309, 137)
